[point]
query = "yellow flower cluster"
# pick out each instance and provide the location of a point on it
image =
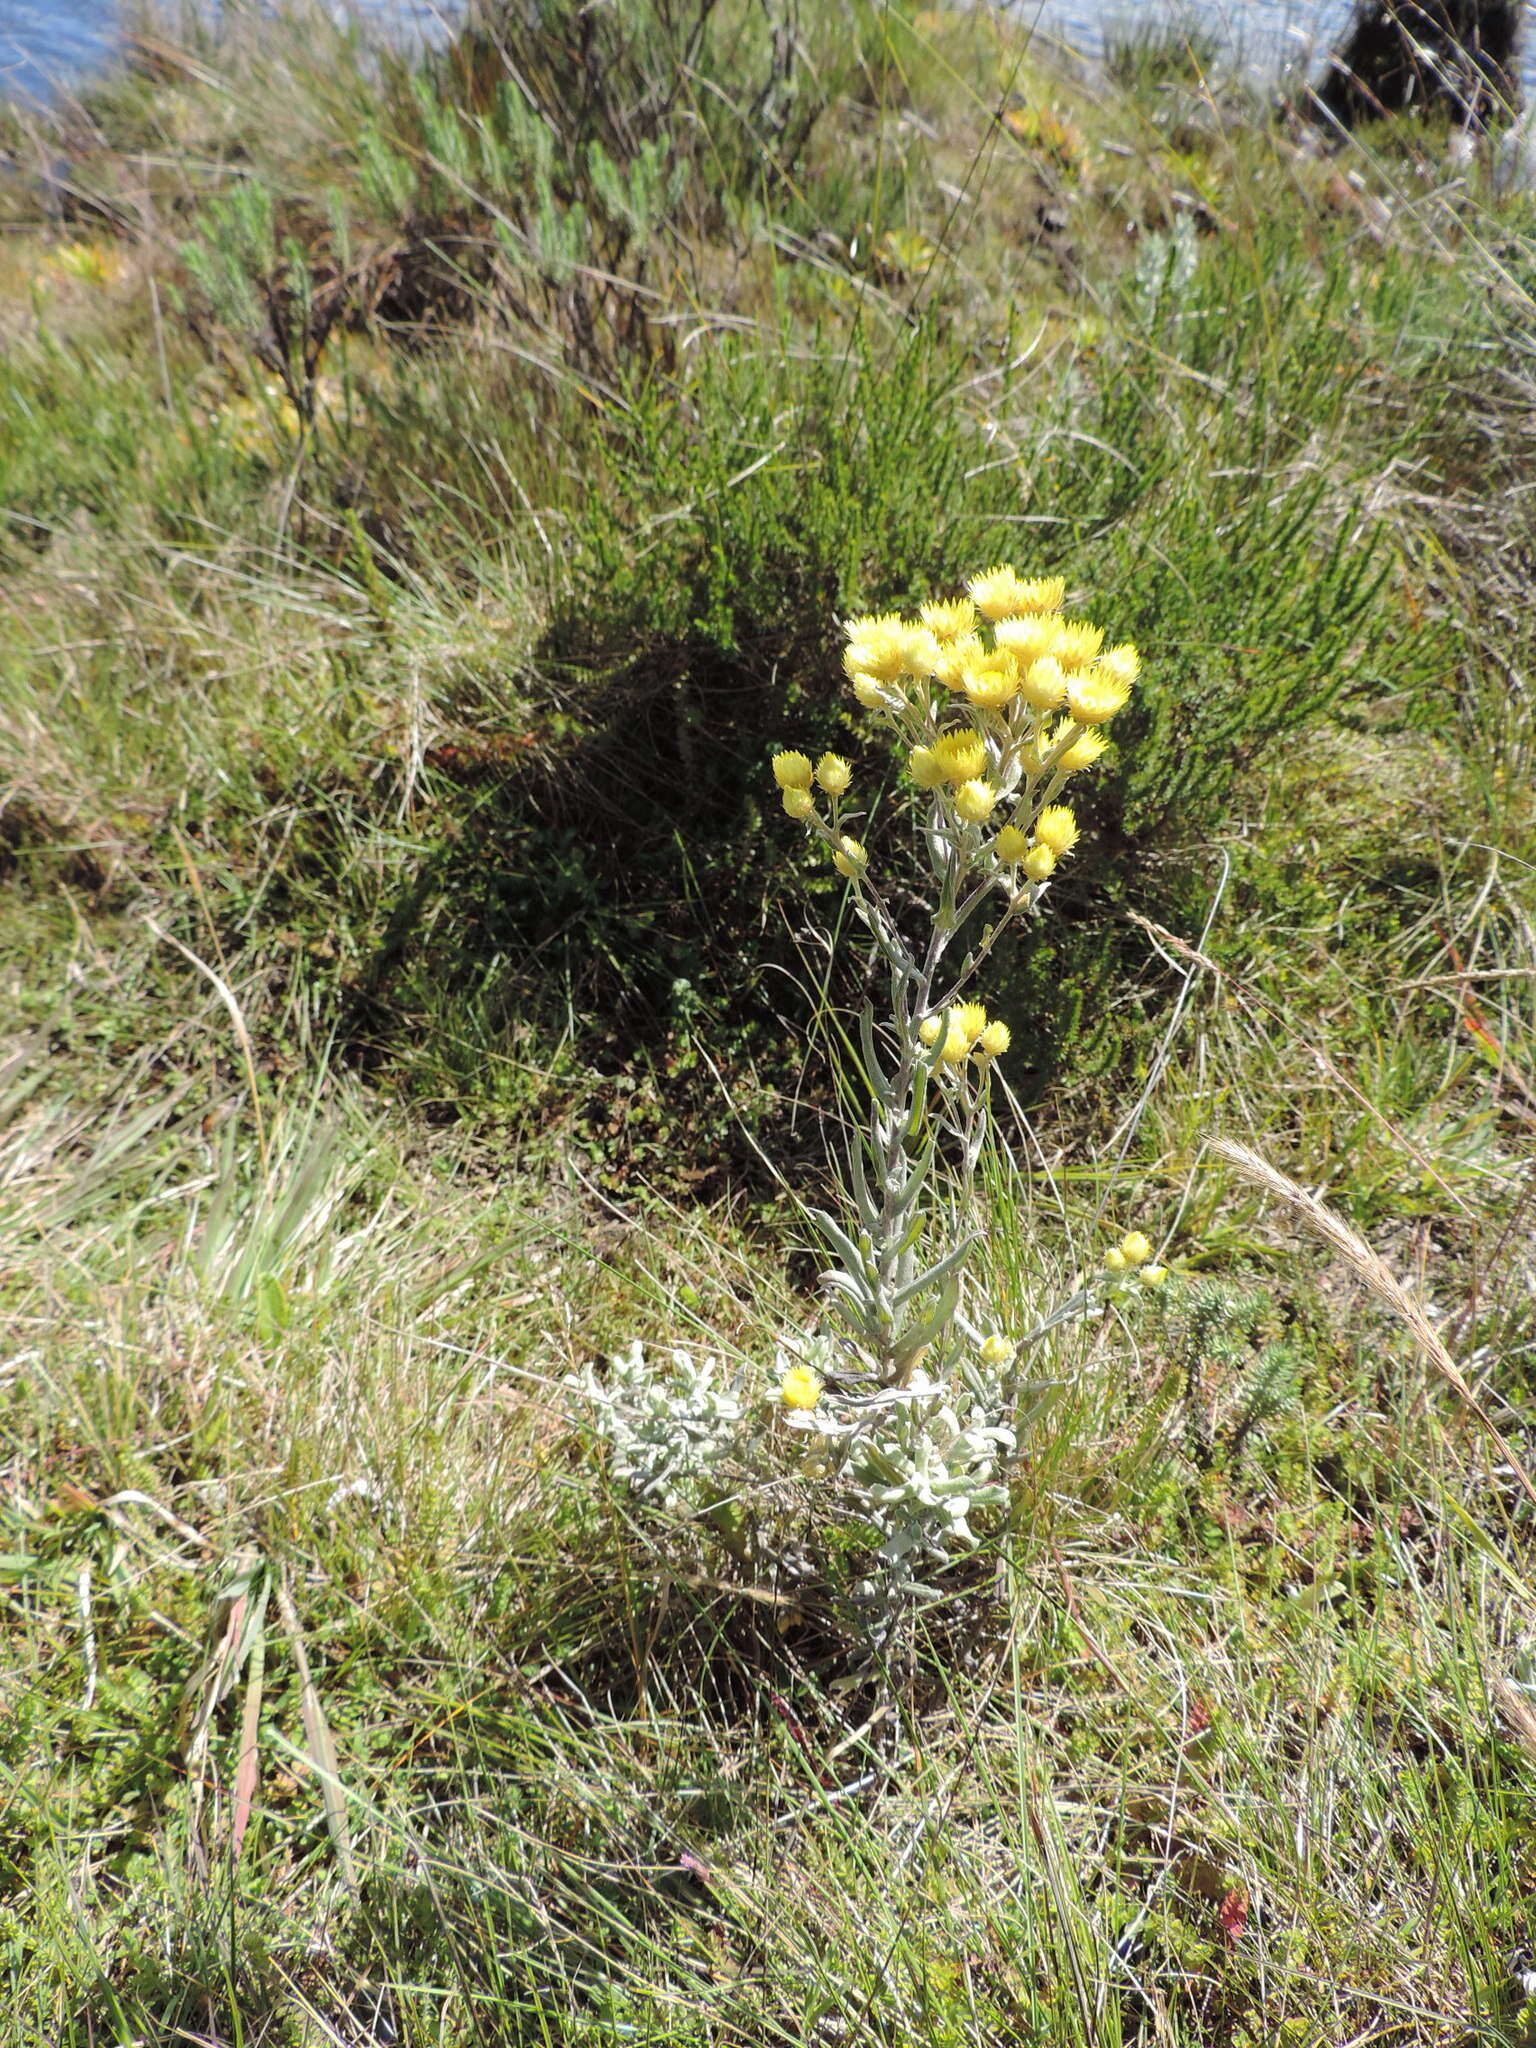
(1034, 690)
(963, 1031)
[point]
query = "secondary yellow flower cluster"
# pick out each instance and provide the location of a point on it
(798, 782)
(1032, 690)
(963, 1031)
(1133, 1255)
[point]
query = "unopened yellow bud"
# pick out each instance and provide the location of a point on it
(875, 696)
(976, 801)
(1152, 1276)
(850, 858)
(1136, 1247)
(957, 1045)
(1039, 863)
(996, 1351)
(799, 803)
(1012, 844)
(928, 1031)
(791, 771)
(1114, 1259)
(833, 773)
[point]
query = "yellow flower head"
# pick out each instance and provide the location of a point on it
(928, 771)
(800, 1387)
(971, 1018)
(1039, 863)
(799, 803)
(1056, 827)
(1114, 1259)
(1122, 662)
(868, 624)
(1077, 643)
(1044, 684)
(928, 1031)
(920, 651)
(1152, 1276)
(834, 774)
(1041, 594)
(976, 801)
(996, 1039)
(1082, 751)
(850, 858)
(1136, 1248)
(876, 646)
(949, 618)
(876, 696)
(791, 771)
(993, 682)
(957, 1045)
(1094, 696)
(1001, 593)
(961, 756)
(996, 1351)
(1027, 639)
(993, 591)
(956, 660)
(1012, 844)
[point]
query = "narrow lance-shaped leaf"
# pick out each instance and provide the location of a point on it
(942, 1270)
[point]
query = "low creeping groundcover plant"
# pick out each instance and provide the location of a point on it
(904, 1409)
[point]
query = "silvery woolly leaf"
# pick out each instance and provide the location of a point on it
(932, 1327)
(949, 1264)
(879, 1080)
(853, 1318)
(868, 1207)
(855, 1260)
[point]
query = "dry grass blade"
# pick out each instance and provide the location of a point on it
(1519, 1713)
(1374, 1273)
(317, 1735)
(234, 1631)
(248, 1766)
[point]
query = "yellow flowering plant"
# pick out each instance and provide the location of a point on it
(994, 701)
(908, 1405)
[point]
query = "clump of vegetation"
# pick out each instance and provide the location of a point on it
(434, 484)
